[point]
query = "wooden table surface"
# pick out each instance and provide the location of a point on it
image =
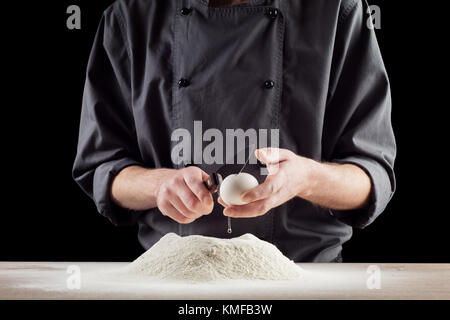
(49, 280)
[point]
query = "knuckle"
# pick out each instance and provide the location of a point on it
(172, 179)
(196, 170)
(205, 195)
(185, 220)
(178, 219)
(263, 208)
(163, 190)
(190, 180)
(205, 209)
(260, 213)
(186, 169)
(192, 170)
(164, 203)
(187, 214)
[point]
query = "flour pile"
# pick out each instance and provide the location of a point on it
(199, 258)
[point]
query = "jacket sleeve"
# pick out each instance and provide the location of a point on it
(358, 127)
(107, 141)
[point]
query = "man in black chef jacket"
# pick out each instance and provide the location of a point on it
(310, 69)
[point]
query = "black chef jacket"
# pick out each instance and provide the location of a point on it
(329, 97)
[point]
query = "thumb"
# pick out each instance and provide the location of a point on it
(205, 176)
(272, 155)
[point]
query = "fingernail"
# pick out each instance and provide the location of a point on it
(205, 199)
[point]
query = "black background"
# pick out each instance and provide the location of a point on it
(46, 217)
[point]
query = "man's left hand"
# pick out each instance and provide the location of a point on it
(289, 176)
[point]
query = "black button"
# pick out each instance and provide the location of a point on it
(182, 83)
(185, 11)
(272, 13)
(269, 84)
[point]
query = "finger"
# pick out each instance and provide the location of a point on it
(220, 200)
(170, 211)
(195, 182)
(178, 204)
(273, 155)
(262, 191)
(189, 199)
(251, 210)
(205, 176)
(272, 169)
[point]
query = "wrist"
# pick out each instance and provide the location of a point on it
(155, 178)
(313, 170)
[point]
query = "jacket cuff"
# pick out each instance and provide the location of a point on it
(103, 177)
(381, 193)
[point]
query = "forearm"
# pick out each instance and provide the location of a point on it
(136, 187)
(336, 186)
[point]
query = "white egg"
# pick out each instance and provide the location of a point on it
(234, 186)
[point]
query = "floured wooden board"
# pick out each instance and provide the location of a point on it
(51, 280)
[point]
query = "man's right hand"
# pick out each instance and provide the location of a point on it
(183, 196)
(179, 194)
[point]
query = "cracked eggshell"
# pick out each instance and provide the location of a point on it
(234, 185)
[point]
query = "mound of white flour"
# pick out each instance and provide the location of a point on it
(199, 258)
